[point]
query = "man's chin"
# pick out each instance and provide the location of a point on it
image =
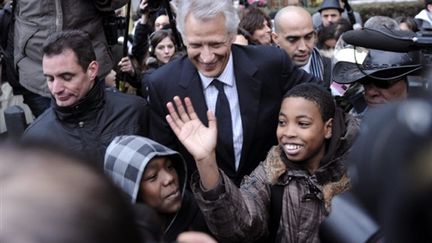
(375, 104)
(64, 103)
(210, 73)
(300, 62)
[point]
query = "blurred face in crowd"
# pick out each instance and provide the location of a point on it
(160, 186)
(263, 35)
(378, 92)
(164, 50)
(161, 21)
(66, 79)
(329, 44)
(330, 16)
(295, 34)
(302, 132)
(405, 26)
(208, 44)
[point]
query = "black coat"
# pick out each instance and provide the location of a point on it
(88, 127)
(263, 74)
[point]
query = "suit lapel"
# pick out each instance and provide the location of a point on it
(249, 90)
(190, 82)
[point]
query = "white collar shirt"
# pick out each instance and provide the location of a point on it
(210, 93)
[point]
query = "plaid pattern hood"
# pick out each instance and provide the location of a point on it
(127, 157)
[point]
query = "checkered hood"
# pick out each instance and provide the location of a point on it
(127, 157)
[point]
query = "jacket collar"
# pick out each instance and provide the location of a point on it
(86, 108)
(332, 166)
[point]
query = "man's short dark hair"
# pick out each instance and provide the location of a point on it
(318, 95)
(76, 40)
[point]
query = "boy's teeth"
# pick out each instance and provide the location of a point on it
(292, 146)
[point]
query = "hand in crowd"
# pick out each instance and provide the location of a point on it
(195, 237)
(143, 9)
(110, 79)
(125, 65)
(198, 139)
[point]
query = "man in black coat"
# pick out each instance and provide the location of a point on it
(254, 81)
(83, 117)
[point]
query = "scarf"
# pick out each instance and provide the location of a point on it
(317, 66)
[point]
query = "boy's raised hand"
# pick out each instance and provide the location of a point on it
(198, 139)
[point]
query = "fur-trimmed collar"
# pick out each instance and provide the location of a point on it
(330, 178)
(277, 172)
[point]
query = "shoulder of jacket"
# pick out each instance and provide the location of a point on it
(122, 99)
(274, 167)
(332, 189)
(352, 127)
(46, 120)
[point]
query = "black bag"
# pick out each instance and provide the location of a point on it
(9, 72)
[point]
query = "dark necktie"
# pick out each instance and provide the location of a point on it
(225, 148)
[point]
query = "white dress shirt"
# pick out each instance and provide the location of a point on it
(210, 93)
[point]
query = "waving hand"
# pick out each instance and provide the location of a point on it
(198, 139)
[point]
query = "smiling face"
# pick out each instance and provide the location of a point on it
(263, 35)
(302, 132)
(208, 44)
(66, 79)
(160, 186)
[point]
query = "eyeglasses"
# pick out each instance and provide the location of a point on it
(382, 84)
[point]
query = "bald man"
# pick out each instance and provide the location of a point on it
(294, 32)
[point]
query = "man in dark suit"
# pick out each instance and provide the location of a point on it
(254, 81)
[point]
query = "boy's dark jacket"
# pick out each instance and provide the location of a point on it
(242, 215)
(133, 153)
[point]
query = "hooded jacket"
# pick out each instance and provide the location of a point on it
(243, 214)
(126, 159)
(88, 127)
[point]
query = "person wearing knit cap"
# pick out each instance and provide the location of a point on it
(154, 176)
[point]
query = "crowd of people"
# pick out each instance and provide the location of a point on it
(235, 126)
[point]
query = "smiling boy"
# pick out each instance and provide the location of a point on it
(314, 138)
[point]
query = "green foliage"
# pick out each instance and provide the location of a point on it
(391, 9)
(406, 9)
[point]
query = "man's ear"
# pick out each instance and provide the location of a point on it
(328, 127)
(93, 69)
(275, 38)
